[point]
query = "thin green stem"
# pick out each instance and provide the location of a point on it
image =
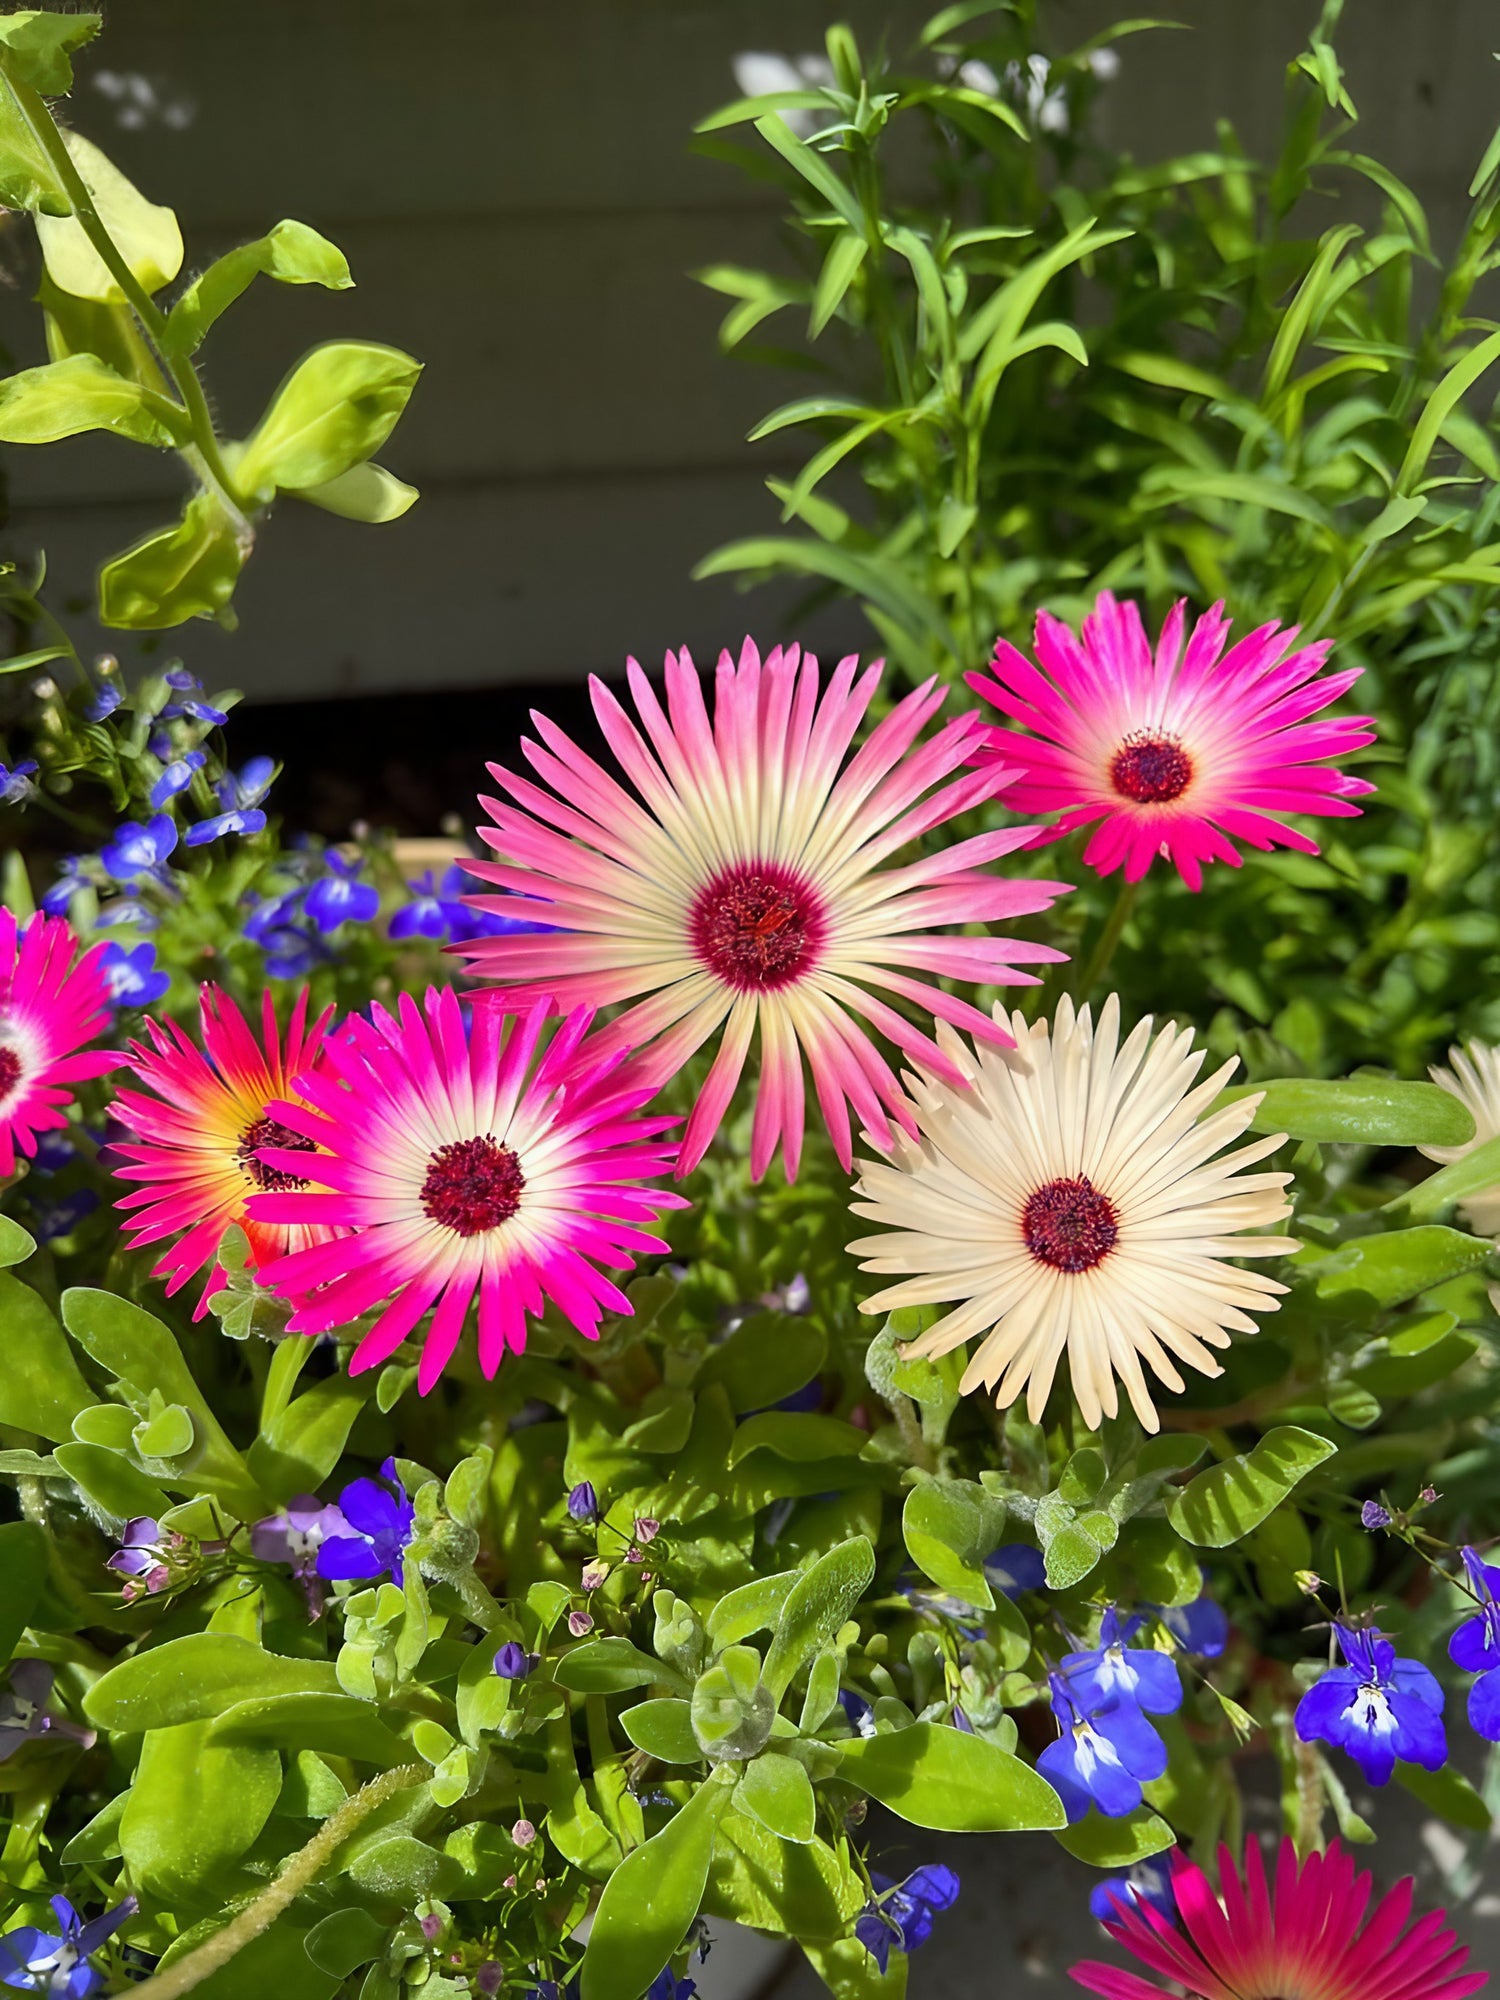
(1104, 950)
(204, 454)
(298, 1872)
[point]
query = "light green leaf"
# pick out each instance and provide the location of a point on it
(196, 1678)
(345, 1941)
(797, 1435)
(41, 1389)
(1361, 1110)
(117, 1489)
(950, 1526)
(850, 1971)
(186, 571)
(16, 1243)
(652, 1897)
(168, 1433)
(768, 1356)
(840, 267)
(1118, 1843)
(608, 1666)
(38, 42)
(1229, 1500)
(337, 1725)
(818, 1604)
(81, 393)
(23, 1576)
(300, 1445)
(663, 1729)
(291, 252)
(194, 1808)
(276, 1963)
(1454, 386)
(805, 1890)
(146, 235)
(939, 1777)
(814, 169)
(1399, 1264)
(775, 1790)
(1476, 1172)
(401, 1869)
(754, 1607)
(337, 407)
(1448, 1793)
(364, 493)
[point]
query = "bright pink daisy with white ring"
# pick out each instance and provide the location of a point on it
(467, 1160)
(748, 888)
(1306, 1944)
(1179, 752)
(49, 1008)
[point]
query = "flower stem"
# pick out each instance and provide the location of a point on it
(1104, 950)
(297, 1873)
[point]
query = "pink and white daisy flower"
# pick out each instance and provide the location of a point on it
(747, 888)
(464, 1163)
(50, 1008)
(200, 1122)
(1305, 1944)
(1180, 753)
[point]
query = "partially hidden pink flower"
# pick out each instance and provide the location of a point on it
(746, 887)
(50, 1007)
(469, 1161)
(1305, 1944)
(1180, 752)
(198, 1125)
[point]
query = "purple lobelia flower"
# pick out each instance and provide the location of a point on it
(23, 1705)
(58, 1963)
(1376, 1707)
(15, 782)
(138, 849)
(1149, 1882)
(1201, 1627)
(381, 1518)
(1114, 1670)
(1475, 1646)
(247, 786)
(293, 1538)
(667, 1986)
(1373, 1516)
(1103, 1754)
(105, 702)
(1015, 1568)
(240, 819)
(338, 897)
(141, 1559)
(901, 1913)
(176, 778)
(135, 979)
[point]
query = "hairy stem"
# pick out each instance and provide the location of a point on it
(297, 1873)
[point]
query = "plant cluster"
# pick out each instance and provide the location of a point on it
(547, 1391)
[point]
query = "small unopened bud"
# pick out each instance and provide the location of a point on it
(646, 1530)
(432, 1926)
(1373, 1516)
(1428, 1495)
(1308, 1582)
(594, 1574)
(510, 1882)
(523, 1833)
(579, 1622)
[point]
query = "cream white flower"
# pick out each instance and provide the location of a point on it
(1475, 1081)
(1075, 1195)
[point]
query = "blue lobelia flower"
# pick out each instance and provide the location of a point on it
(183, 679)
(667, 1986)
(240, 819)
(1201, 1627)
(1114, 1670)
(176, 778)
(247, 786)
(15, 782)
(1376, 1707)
(1475, 1647)
(54, 1219)
(382, 1518)
(858, 1710)
(105, 702)
(133, 975)
(128, 910)
(426, 915)
(1015, 1568)
(337, 898)
(41, 1962)
(23, 1705)
(57, 900)
(901, 1913)
(1148, 1882)
(138, 850)
(1102, 1756)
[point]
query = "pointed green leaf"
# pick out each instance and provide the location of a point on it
(1226, 1502)
(653, 1896)
(939, 1777)
(145, 234)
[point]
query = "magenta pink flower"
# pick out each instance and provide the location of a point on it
(1180, 754)
(1307, 1944)
(746, 888)
(49, 1008)
(464, 1166)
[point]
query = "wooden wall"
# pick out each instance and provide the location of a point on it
(517, 200)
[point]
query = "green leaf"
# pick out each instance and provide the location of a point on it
(399, 1868)
(804, 1890)
(754, 1607)
(850, 1971)
(1448, 1793)
(342, 1943)
(815, 170)
(300, 1446)
(950, 1526)
(775, 1790)
(194, 1808)
(291, 252)
(1454, 386)
(41, 1389)
(939, 1777)
(23, 1575)
(1229, 1500)
(38, 42)
(81, 393)
(768, 1356)
(652, 1897)
(1361, 1110)
(1475, 1173)
(186, 571)
(110, 1481)
(276, 1962)
(663, 1729)
(1118, 1843)
(364, 493)
(337, 1725)
(16, 1244)
(167, 1433)
(955, 519)
(819, 1602)
(1399, 1264)
(196, 1678)
(144, 1355)
(146, 235)
(338, 406)
(608, 1666)
(840, 267)
(100, 1839)
(796, 1435)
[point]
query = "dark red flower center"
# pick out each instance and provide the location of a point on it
(10, 1070)
(1151, 769)
(1070, 1225)
(268, 1131)
(757, 926)
(472, 1185)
